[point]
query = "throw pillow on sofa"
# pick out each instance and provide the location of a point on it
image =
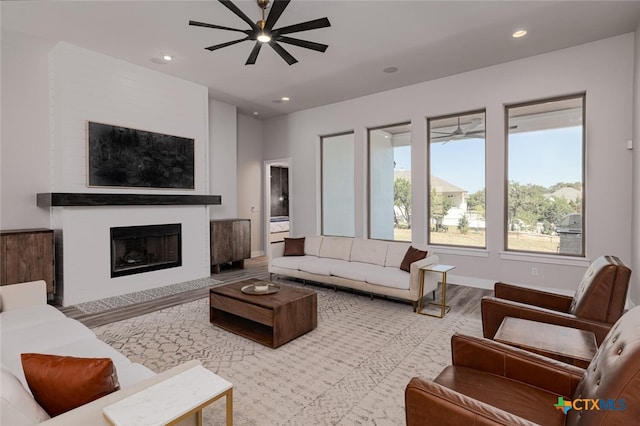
(412, 255)
(294, 246)
(62, 383)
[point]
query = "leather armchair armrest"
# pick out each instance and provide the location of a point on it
(516, 364)
(428, 403)
(494, 310)
(531, 296)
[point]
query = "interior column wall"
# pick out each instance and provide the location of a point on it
(223, 152)
(635, 221)
(24, 147)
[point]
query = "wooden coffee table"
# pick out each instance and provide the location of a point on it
(270, 319)
(570, 345)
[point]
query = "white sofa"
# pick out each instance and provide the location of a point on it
(29, 324)
(371, 266)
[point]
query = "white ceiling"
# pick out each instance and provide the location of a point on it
(424, 39)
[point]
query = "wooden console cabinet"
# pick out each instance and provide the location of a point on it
(230, 241)
(27, 255)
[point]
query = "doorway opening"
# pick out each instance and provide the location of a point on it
(277, 201)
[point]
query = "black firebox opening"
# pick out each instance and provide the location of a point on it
(137, 249)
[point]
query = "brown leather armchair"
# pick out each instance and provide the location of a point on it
(597, 303)
(490, 383)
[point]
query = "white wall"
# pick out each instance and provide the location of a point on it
(250, 179)
(24, 144)
(223, 158)
(635, 229)
(607, 82)
(382, 186)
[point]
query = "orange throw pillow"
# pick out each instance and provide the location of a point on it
(412, 255)
(294, 246)
(62, 383)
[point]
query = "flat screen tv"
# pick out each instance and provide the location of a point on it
(123, 157)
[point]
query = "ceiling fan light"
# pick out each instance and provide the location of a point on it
(264, 38)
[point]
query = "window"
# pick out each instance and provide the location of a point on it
(545, 169)
(457, 180)
(338, 188)
(390, 182)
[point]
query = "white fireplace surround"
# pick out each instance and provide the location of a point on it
(84, 249)
(88, 86)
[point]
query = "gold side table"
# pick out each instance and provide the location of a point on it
(442, 269)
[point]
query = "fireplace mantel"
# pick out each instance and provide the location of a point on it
(75, 199)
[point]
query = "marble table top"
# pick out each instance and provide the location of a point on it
(168, 400)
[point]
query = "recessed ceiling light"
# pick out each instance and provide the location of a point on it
(285, 98)
(167, 57)
(256, 113)
(389, 70)
(519, 33)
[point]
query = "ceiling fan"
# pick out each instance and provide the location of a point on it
(263, 32)
(460, 132)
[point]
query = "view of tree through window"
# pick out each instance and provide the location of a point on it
(545, 176)
(457, 180)
(390, 182)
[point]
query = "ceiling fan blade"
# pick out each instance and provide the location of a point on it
(277, 8)
(303, 43)
(254, 53)
(229, 43)
(232, 7)
(303, 26)
(218, 27)
(282, 52)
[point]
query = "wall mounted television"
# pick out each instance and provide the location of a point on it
(124, 157)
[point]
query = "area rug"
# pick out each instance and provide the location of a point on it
(351, 370)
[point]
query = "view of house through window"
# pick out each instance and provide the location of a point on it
(390, 182)
(457, 180)
(545, 163)
(338, 187)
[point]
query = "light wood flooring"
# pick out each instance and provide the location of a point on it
(461, 299)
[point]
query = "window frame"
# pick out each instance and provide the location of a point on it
(505, 221)
(428, 196)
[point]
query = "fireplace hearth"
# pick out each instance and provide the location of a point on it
(138, 249)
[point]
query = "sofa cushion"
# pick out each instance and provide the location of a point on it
(369, 251)
(388, 277)
(291, 262)
(312, 245)
(293, 247)
(412, 255)
(351, 270)
(132, 373)
(41, 337)
(62, 383)
(336, 248)
(29, 316)
(320, 266)
(18, 406)
(395, 254)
